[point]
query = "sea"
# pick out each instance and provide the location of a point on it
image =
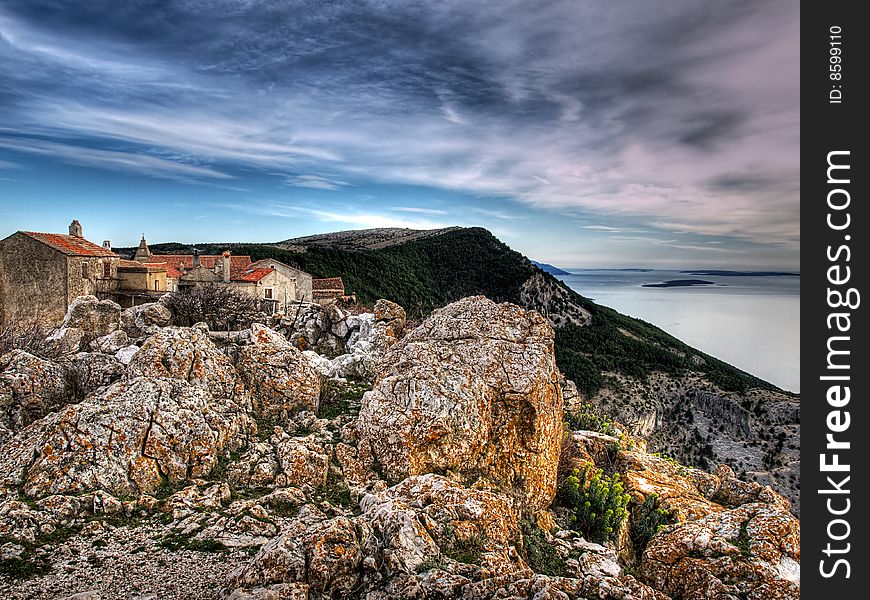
(751, 322)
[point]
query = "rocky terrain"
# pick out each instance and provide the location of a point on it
(322, 454)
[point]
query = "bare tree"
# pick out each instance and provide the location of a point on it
(221, 306)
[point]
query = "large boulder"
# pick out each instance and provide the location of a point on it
(129, 440)
(280, 376)
(94, 318)
(748, 552)
(30, 388)
(145, 319)
(188, 354)
(474, 390)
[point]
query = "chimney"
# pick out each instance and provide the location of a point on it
(225, 257)
(107, 244)
(181, 267)
(195, 258)
(75, 229)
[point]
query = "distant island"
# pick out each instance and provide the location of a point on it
(550, 268)
(679, 283)
(715, 273)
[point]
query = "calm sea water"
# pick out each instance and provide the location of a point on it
(752, 323)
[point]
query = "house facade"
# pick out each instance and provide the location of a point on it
(41, 273)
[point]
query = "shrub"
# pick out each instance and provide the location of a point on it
(30, 337)
(221, 306)
(651, 518)
(597, 502)
(587, 419)
(540, 554)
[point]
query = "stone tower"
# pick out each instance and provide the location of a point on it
(143, 254)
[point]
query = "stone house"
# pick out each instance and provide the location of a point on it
(327, 291)
(302, 279)
(140, 282)
(41, 273)
(277, 285)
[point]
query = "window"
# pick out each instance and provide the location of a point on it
(107, 269)
(86, 273)
(156, 285)
(267, 293)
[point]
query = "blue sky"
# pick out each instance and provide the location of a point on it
(585, 134)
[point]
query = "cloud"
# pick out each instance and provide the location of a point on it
(315, 182)
(109, 159)
(649, 115)
(422, 211)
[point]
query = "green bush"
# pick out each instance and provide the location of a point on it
(651, 518)
(597, 503)
(587, 419)
(541, 556)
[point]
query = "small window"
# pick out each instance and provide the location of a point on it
(156, 285)
(85, 270)
(267, 293)
(107, 269)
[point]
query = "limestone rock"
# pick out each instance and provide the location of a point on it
(189, 355)
(748, 552)
(391, 315)
(111, 342)
(474, 389)
(281, 378)
(30, 387)
(92, 371)
(127, 441)
(65, 340)
(145, 319)
(95, 318)
(125, 355)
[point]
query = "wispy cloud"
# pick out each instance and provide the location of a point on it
(315, 182)
(418, 210)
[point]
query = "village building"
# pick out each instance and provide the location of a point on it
(41, 273)
(329, 290)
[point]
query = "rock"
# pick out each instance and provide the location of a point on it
(111, 343)
(189, 355)
(65, 340)
(474, 389)
(145, 319)
(281, 378)
(95, 318)
(303, 461)
(89, 595)
(749, 552)
(30, 388)
(320, 363)
(125, 355)
(92, 371)
(391, 315)
(127, 441)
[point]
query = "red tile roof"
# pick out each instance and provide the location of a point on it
(330, 283)
(238, 264)
(255, 274)
(69, 245)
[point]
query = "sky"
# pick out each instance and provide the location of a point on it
(598, 133)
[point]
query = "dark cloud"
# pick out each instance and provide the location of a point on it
(615, 108)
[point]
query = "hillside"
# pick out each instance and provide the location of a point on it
(688, 404)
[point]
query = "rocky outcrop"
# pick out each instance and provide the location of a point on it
(30, 388)
(474, 390)
(189, 355)
(129, 440)
(281, 377)
(554, 301)
(748, 552)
